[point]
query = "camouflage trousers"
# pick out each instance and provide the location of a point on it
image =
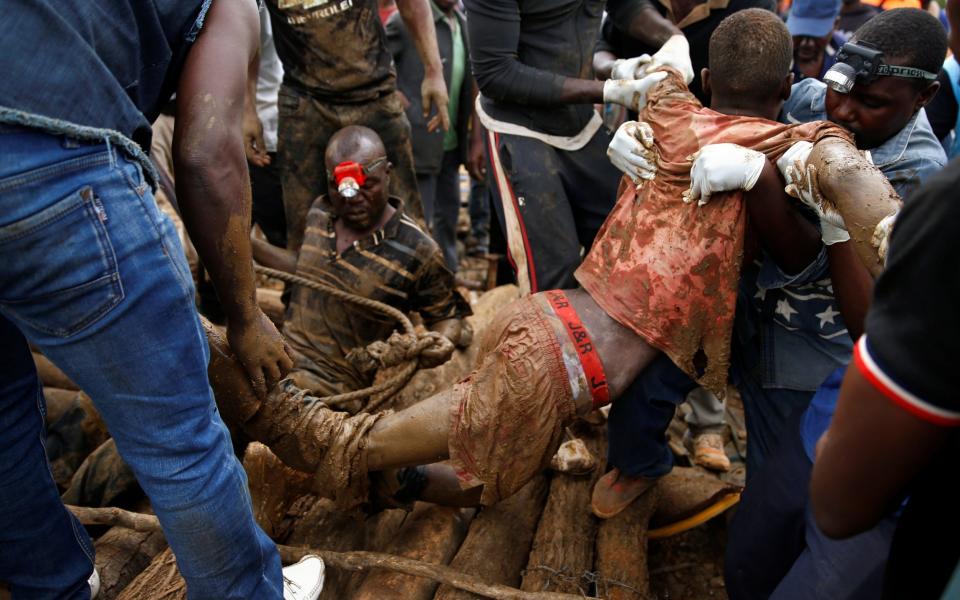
(307, 124)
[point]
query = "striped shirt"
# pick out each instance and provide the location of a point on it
(399, 265)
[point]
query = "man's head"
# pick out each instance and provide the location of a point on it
(360, 155)
(811, 23)
(878, 110)
(749, 57)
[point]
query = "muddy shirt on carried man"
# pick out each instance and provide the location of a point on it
(667, 270)
(399, 265)
(333, 50)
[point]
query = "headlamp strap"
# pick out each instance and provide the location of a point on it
(910, 72)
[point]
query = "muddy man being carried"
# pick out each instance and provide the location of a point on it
(661, 277)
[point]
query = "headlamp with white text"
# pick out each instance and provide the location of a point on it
(862, 62)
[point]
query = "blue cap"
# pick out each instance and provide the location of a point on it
(814, 18)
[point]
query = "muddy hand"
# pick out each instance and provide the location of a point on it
(723, 168)
(802, 185)
(261, 350)
(633, 152)
(433, 92)
(253, 145)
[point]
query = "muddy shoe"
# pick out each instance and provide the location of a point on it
(303, 580)
(708, 452)
(615, 492)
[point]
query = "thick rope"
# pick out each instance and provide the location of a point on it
(400, 348)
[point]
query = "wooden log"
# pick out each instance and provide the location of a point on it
(73, 437)
(162, 564)
(430, 534)
(322, 526)
(122, 554)
(498, 544)
(159, 581)
(563, 547)
(51, 375)
(621, 562)
(103, 479)
(58, 401)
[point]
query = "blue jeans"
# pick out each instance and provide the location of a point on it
(639, 419)
(94, 276)
(775, 549)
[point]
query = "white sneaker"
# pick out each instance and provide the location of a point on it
(303, 580)
(94, 583)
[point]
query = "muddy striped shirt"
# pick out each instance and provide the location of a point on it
(399, 265)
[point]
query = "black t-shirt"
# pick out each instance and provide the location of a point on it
(615, 39)
(912, 341)
(910, 353)
(334, 51)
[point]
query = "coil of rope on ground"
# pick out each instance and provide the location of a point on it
(399, 348)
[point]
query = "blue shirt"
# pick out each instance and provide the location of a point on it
(906, 159)
(94, 69)
(795, 319)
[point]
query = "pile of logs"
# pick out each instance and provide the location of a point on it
(542, 543)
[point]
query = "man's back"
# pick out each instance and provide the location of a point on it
(675, 266)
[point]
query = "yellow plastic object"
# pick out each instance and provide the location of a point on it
(698, 519)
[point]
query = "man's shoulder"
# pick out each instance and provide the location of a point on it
(911, 156)
(807, 102)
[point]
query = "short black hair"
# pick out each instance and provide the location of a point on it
(750, 53)
(909, 34)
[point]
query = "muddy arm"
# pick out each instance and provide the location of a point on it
(858, 190)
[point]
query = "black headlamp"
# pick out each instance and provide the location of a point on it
(862, 62)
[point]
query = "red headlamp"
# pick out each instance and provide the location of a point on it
(349, 176)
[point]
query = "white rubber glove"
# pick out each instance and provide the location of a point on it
(629, 68)
(881, 235)
(802, 185)
(800, 151)
(674, 53)
(631, 93)
(632, 151)
(723, 168)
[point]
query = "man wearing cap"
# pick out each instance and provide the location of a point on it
(812, 23)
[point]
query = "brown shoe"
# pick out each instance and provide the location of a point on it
(708, 452)
(615, 491)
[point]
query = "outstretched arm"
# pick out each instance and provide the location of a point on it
(418, 17)
(213, 186)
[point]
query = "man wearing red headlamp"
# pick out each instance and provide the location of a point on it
(358, 239)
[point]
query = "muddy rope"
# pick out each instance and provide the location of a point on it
(404, 348)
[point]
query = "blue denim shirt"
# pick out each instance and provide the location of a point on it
(97, 70)
(906, 158)
(796, 318)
